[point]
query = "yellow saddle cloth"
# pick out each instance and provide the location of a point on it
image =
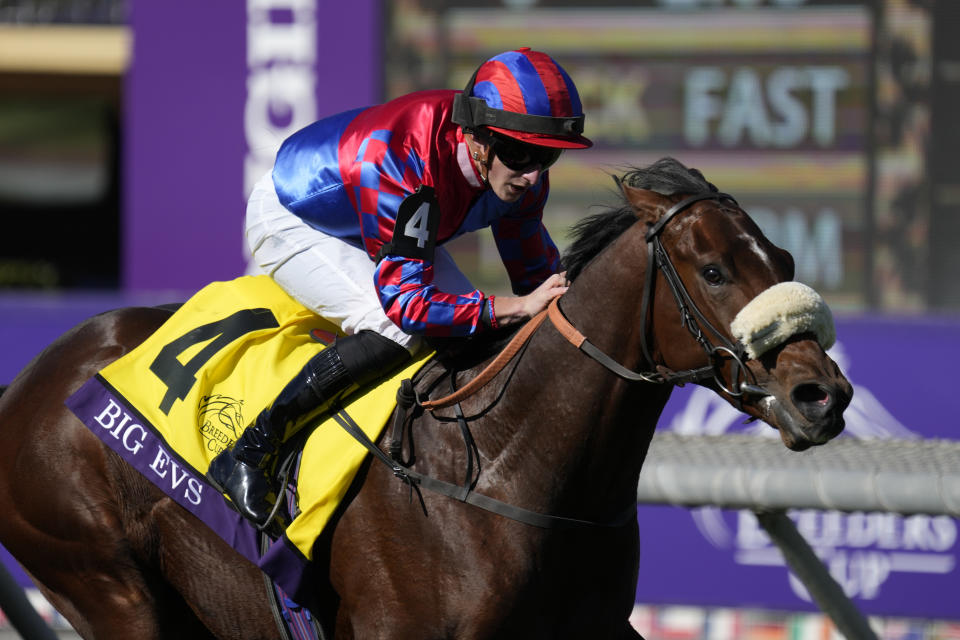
(222, 358)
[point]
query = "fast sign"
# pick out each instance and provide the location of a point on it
(770, 100)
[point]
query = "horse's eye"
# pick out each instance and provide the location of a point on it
(712, 275)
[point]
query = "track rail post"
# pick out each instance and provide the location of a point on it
(805, 564)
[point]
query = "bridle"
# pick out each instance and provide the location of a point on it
(690, 315)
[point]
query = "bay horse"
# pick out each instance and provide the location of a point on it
(556, 433)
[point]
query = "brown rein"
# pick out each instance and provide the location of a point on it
(406, 398)
(568, 331)
(578, 340)
(495, 367)
(657, 259)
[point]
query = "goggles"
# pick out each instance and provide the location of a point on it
(517, 156)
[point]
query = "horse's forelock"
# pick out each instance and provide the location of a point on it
(668, 177)
(594, 233)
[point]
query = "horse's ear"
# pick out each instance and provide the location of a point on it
(647, 204)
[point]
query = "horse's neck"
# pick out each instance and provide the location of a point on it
(577, 429)
(605, 302)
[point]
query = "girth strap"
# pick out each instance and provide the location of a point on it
(418, 480)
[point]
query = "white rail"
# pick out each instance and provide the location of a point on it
(746, 472)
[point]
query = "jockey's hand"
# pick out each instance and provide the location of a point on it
(510, 310)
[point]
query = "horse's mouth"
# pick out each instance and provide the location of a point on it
(802, 440)
(798, 432)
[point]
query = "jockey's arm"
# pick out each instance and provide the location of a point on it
(530, 257)
(512, 309)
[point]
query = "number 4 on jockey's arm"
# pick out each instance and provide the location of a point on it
(351, 220)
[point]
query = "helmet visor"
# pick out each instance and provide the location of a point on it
(517, 156)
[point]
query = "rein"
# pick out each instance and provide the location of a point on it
(577, 339)
(491, 370)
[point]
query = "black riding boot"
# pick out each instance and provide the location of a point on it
(243, 471)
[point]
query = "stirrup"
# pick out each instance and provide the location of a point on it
(250, 476)
(278, 520)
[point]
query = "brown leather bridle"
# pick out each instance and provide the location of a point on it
(690, 315)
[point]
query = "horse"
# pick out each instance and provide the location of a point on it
(563, 431)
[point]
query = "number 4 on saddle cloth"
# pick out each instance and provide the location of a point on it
(172, 404)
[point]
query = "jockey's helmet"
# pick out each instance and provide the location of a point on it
(526, 95)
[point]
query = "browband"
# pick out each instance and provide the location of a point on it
(683, 204)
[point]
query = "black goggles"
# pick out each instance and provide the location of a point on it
(517, 156)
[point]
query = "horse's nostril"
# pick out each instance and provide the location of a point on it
(812, 400)
(810, 394)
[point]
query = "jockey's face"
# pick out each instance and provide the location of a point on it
(509, 167)
(517, 166)
(510, 184)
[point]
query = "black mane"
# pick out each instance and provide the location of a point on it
(591, 235)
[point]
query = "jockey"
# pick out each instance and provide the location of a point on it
(351, 219)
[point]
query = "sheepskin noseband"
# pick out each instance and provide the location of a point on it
(783, 310)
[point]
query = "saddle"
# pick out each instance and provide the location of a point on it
(172, 404)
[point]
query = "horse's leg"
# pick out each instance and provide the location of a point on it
(225, 591)
(63, 524)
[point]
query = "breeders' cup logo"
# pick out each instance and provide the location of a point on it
(221, 421)
(861, 550)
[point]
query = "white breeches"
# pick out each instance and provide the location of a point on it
(325, 274)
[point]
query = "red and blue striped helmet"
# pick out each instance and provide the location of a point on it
(524, 94)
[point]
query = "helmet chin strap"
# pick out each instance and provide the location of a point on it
(481, 165)
(480, 159)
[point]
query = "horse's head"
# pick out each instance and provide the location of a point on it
(719, 308)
